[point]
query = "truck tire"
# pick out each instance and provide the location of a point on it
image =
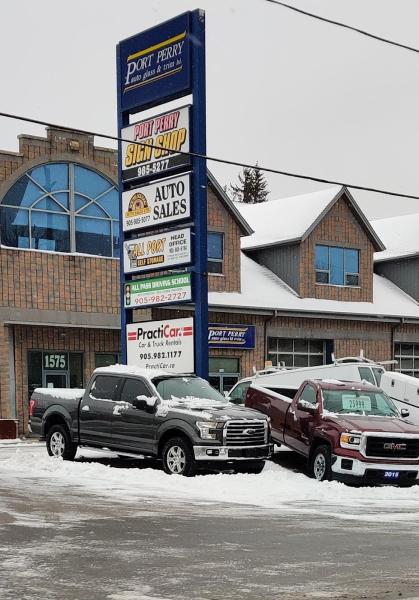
(59, 444)
(254, 467)
(178, 458)
(321, 463)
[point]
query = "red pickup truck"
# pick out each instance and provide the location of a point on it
(351, 432)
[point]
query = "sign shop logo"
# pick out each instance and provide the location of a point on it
(154, 63)
(162, 332)
(137, 206)
(161, 132)
(394, 446)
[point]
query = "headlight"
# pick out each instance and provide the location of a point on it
(208, 429)
(350, 440)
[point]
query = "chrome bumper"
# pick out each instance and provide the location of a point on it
(359, 467)
(233, 452)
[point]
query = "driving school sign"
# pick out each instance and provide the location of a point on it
(142, 293)
(167, 345)
(158, 203)
(155, 63)
(158, 251)
(152, 146)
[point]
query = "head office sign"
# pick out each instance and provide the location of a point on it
(167, 345)
(153, 145)
(165, 201)
(155, 64)
(158, 251)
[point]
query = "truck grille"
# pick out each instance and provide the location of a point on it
(389, 447)
(245, 433)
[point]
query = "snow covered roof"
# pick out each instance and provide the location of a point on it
(292, 219)
(263, 290)
(400, 235)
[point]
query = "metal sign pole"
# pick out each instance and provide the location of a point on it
(200, 279)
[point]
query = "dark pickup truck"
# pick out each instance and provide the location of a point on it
(348, 431)
(179, 419)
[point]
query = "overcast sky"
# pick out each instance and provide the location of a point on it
(282, 89)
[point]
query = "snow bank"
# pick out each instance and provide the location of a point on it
(276, 489)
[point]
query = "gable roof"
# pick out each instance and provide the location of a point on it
(400, 235)
(229, 204)
(291, 220)
(263, 291)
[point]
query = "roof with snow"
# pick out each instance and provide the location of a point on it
(292, 219)
(262, 290)
(400, 235)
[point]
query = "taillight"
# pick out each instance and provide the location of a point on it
(32, 404)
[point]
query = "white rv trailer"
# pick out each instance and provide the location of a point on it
(403, 389)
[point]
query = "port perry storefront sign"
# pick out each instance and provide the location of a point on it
(155, 63)
(158, 251)
(167, 289)
(156, 204)
(166, 345)
(168, 133)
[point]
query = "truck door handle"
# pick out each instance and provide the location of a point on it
(85, 408)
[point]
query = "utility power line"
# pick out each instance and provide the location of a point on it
(344, 25)
(210, 158)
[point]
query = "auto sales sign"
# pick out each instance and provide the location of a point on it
(166, 201)
(166, 345)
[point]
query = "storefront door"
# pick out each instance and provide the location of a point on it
(224, 373)
(52, 379)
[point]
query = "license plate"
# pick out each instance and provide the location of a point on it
(391, 474)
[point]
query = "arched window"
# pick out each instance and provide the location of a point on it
(62, 207)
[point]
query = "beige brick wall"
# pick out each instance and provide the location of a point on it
(88, 341)
(220, 220)
(340, 227)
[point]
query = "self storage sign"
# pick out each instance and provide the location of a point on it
(158, 251)
(152, 146)
(153, 205)
(167, 345)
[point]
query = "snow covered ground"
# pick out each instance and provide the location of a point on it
(277, 489)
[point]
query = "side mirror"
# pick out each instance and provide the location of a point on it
(307, 407)
(404, 413)
(147, 404)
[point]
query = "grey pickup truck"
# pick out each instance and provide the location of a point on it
(179, 419)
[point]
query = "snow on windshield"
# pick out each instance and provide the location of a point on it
(358, 402)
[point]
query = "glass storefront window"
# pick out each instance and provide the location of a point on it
(54, 369)
(296, 352)
(105, 359)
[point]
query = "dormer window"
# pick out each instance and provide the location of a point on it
(337, 266)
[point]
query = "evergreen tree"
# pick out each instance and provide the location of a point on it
(260, 191)
(252, 186)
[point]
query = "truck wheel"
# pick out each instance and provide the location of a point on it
(178, 458)
(250, 467)
(321, 464)
(59, 444)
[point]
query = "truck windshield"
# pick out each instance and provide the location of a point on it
(187, 387)
(358, 402)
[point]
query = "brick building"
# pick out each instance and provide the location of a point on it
(304, 278)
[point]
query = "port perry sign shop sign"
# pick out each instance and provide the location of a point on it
(158, 181)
